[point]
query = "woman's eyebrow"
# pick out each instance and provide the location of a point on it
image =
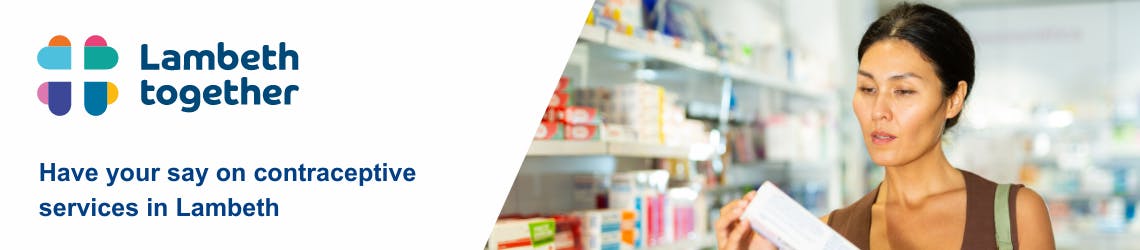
(904, 75)
(896, 76)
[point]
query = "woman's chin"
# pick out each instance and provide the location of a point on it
(886, 159)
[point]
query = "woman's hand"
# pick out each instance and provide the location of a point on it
(732, 233)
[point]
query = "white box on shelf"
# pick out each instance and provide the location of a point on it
(602, 229)
(537, 233)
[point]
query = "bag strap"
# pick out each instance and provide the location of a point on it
(1001, 217)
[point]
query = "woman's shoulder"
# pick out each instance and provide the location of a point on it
(1029, 215)
(1035, 230)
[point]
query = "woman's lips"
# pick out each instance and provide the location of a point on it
(881, 138)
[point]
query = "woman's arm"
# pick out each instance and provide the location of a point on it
(1034, 230)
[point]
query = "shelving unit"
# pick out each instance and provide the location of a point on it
(604, 58)
(695, 60)
(567, 148)
(707, 241)
(621, 149)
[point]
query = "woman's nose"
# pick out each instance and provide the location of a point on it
(882, 108)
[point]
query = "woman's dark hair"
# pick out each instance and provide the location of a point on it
(938, 36)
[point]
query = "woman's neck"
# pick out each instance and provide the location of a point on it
(931, 174)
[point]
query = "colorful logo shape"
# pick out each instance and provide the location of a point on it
(96, 56)
(57, 55)
(57, 95)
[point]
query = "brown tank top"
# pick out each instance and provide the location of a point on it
(854, 221)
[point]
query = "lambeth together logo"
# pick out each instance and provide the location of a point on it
(96, 56)
(98, 95)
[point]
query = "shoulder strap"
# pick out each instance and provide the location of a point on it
(1001, 217)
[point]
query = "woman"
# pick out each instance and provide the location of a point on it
(916, 68)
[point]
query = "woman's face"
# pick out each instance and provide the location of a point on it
(899, 103)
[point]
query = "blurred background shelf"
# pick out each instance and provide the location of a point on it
(693, 58)
(698, 152)
(704, 242)
(567, 148)
(645, 48)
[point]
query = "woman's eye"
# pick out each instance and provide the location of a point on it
(867, 90)
(904, 92)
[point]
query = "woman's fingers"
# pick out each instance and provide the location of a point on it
(758, 241)
(731, 231)
(721, 236)
(722, 226)
(729, 214)
(737, 233)
(748, 197)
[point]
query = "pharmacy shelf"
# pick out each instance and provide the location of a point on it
(746, 75)
(1091, 238)
(707, 242)
(566, 148)
(1124, 151)
(696, 152)
(693, 59)
(593, 34)
(624, 149)
(696, 60)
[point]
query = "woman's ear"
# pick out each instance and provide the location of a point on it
(956, 100)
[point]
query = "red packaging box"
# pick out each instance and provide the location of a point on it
(568, 232)
(563, 82)
(581, 132)
(552, 115)
(548, 131)
(580, 115)
(558, 100)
